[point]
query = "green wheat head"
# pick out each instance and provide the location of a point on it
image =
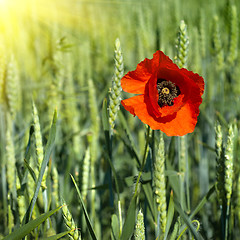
(159, 183)
(85, 173)
(217, 43)
(70, 223)
(228, 163)
(182, 45)
(220, 163)
(139, 228)
(38, 143)
(10, 155)
(13, 89)
(114, 96)
(234, 30)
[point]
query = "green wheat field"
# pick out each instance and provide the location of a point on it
(74, 164)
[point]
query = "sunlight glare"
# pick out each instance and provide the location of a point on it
(3, 2)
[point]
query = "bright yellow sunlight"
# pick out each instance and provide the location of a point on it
(19, 17)
(3, 2)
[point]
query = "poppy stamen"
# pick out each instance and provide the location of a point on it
(167, 91)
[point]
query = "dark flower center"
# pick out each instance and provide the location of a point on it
(167, 91)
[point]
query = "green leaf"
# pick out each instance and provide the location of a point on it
(203, 201)
(31, 171)
(171, 173)
(147, 188)
(187, 220)
(173, 178)
(114, 174)
(115, 227)
(170, 215)
(27, 228)
(89, 224)
(27, 158)
(145, 178)
(105, 122)
(48, 151)
(130, 146)
(99, 187)
(57, 236)
(129, 223)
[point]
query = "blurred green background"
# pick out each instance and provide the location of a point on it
(61, 55)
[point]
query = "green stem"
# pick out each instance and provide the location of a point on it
(45, 202)
(143, 161)
(188, 193)
(113, 171)
(227, 220)
(187, 181)
(120, 217)
(93, 193)
(181, 173)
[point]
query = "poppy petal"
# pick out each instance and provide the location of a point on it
(178, 124)
(135, 81)
(195, 77)
(184, 122)
(132, 104)
(137, 106)
(175, 77)
(161, 60)
(189, 89)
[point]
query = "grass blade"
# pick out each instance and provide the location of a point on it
(115, 227)
(89, 224)
(170, 214)
(129, 223)
(48, 151)
(27, 228)
(131, 147)
(57, 236)
(147, 188)
(105, 123)
(203, 201)
(32, 173)
(187, 220)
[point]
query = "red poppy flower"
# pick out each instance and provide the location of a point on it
(169, 97)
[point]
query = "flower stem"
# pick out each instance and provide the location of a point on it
(143, 161)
